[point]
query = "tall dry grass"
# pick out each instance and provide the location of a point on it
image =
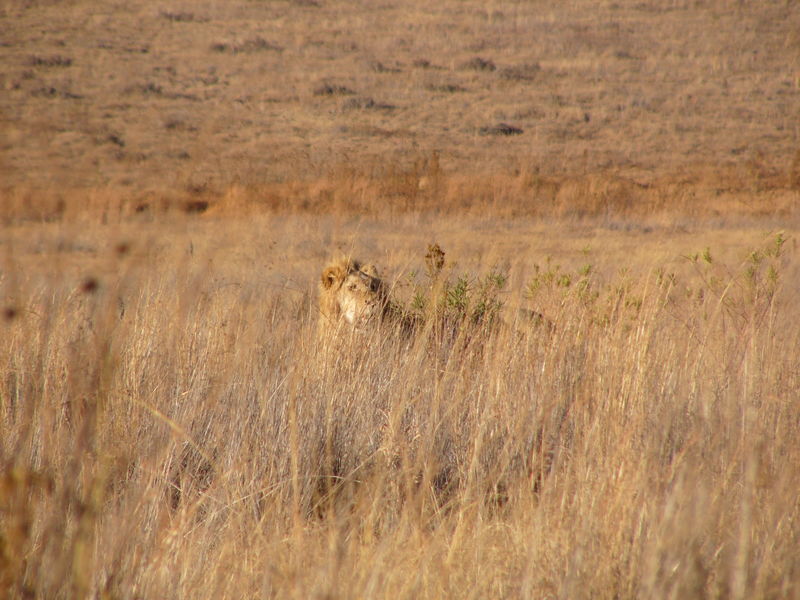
(424, 187)
(168, 433)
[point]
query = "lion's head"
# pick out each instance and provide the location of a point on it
(351, 292)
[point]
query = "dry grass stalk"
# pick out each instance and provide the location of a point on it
(171, 433)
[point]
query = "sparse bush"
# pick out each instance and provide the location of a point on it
(178, 17)
(443, 297)
(500, 129)
(50, 61)
(447, 88)
(256, 44)
(329, 89)
(524, 72)
(479, 64)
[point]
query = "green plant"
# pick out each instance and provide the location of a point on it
(446, 297)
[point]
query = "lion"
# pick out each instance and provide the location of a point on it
(350, 293)
(352, 296)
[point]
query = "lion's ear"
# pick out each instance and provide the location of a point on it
(370, 270)
(331, 275)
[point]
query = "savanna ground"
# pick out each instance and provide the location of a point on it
(173, 178)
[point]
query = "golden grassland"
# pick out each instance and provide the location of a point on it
(173, 179)
(146, 98)
(514, 109)
(171, 429)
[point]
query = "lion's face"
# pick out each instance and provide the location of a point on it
(351, 291)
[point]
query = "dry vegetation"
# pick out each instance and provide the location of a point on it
(171, 430)
(580, 106)
(175, 176)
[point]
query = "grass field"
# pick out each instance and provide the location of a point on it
(172, 430)
(696, 100)
(173, 179)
